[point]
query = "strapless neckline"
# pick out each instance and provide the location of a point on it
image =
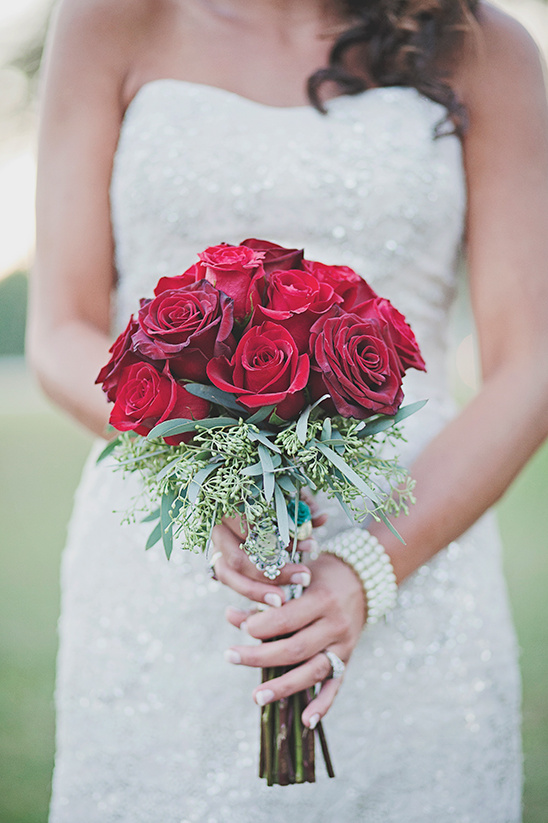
(248, 102)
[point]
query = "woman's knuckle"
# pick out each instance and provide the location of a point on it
(320, 667)
(296, 648)
(343, 625)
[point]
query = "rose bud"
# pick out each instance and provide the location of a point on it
(238, 272)
(186, 326)
(276, 258)
(266, 369)
(296, 299)
(344, 281)
(402, 335)
(147, 397)
(358, 365)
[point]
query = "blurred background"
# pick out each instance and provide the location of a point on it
(42, 451)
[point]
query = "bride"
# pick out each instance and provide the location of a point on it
(171, 125)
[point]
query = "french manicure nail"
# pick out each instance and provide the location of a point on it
(300, 578)
(314, 720)
(264, 696)
(243, 627)
(273, 600)
(232, 656)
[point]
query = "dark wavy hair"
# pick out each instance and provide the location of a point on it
(399, 43)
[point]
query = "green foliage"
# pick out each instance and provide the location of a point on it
(247, 468)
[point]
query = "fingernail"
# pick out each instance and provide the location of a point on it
(243, 627)
(264, 696)
(232, 656)
(300, 578)
(231, 610)
(273, 600)
(314, 720)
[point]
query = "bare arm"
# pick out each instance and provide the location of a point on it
(470, 464)
(69, 315)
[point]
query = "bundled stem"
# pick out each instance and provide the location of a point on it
(287, 745)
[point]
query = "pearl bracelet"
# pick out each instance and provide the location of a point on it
(365, 555)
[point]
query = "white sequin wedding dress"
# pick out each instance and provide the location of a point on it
(153, 725)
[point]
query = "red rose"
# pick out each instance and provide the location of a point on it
(147, 397)
(266, 368)
(296, 299)
(402, 335)
(238, 272)
(122, 357)
(344, 281)
(188, 326)
(276, 258)
(358, 365)
(180, 281)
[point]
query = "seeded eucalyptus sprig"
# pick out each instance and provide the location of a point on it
(254, 466)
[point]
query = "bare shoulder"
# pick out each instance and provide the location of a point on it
(500, 65)
(102, 34)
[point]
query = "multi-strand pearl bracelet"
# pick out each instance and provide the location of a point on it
(365, 555)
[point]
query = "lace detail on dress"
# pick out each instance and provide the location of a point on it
(152, 724)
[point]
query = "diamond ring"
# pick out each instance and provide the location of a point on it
(211, 565)
(337, 665)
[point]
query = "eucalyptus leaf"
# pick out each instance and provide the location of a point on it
(268, 472)
(308, 481)
(169, 467)
(389, 525)
(265, 458)
(345, 507)
(376, 426)
(154, 536)
(282, 515)
(109, 448)
(268, 485)
(169, 428)
(216, 423)
(253, 471)
(260, 415)
(261, 437)
(178, 425)
(285, 482)
(151, 517)
(348, 471)
(217, 396)
(407, 411)
(166, 522)
(200, 477)
(326, 430)
(383, 422)
(302, 425)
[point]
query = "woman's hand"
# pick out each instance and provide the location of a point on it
(233, 567)
(330, 615)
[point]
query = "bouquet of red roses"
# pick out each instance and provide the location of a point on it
(254, 375)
